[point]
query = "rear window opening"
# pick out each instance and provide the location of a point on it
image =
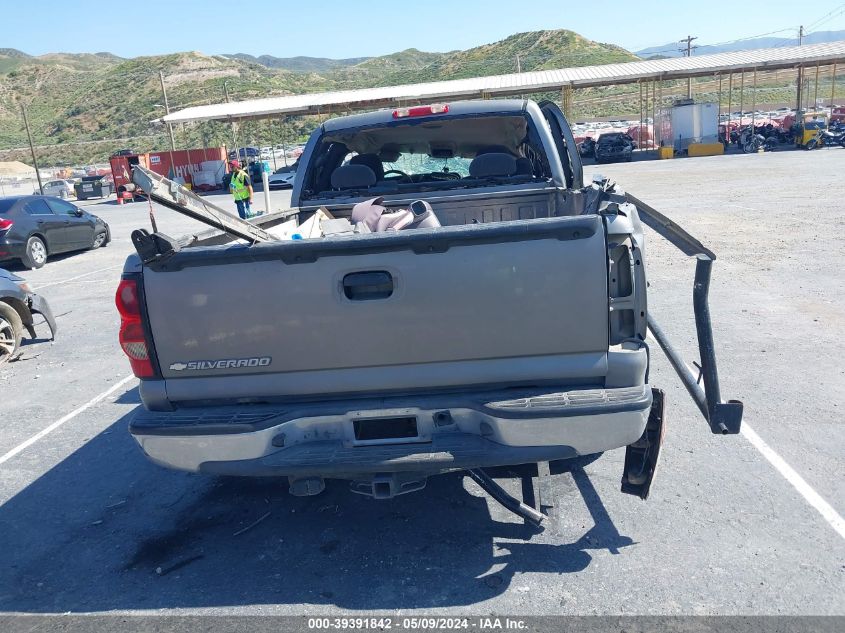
(407, 156)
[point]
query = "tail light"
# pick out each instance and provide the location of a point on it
(5, 225)
(437, 108)
(132, 338)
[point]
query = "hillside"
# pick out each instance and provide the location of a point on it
(75, 100)
(300, 64)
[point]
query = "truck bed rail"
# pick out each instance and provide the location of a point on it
(723, 417)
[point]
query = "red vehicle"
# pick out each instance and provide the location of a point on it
(182, 163)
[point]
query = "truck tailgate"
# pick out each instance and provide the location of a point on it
(523, 302)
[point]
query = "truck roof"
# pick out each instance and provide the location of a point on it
(487, 106)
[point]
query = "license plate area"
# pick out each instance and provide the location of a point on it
(385, 430)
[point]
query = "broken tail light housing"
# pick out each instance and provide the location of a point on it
(435, 108)
(132, 338)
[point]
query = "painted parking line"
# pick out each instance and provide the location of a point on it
(798, 482)
(64, 281)
(24, 445)
(828, 513)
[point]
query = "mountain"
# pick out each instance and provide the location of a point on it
(299, 64)
(76, 100)
(672, 48)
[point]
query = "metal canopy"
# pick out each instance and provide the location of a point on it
(518, 83)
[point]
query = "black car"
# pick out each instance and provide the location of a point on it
(17, 306)
(244, 152)
(614, 146)
(34, 227)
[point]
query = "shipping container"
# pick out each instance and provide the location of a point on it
(183, 165)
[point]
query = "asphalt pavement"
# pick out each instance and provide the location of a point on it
(89, 525)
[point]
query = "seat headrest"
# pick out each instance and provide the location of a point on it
(353, 177)
(369, 160)
(491, 165)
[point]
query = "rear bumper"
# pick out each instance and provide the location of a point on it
(320, 439)
(39, 305)
(11, 248)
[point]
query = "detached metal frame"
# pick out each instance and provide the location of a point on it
(723, 417)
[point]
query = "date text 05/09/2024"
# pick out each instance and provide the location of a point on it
(416, 624)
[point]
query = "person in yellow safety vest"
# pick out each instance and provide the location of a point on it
(241, 187)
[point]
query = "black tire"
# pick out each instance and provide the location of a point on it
(99, 240)
(811, 144)
(36, 253)
(11, 332)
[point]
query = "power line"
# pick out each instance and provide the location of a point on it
(827, 17)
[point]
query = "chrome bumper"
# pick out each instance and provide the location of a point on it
(320, 440)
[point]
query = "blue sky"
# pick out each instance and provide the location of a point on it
(333, 28)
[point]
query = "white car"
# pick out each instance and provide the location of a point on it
(59, 188)
(281, 181)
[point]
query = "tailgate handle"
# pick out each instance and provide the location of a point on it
(366, 286)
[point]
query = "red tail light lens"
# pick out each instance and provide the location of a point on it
(131, 336)
(437, 108)
(5, 225)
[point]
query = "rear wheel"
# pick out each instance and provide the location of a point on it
(35, 255)
(11, 332)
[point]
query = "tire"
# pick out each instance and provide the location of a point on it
(36, 253)
(99, 240)
(11, 332)
(811, 144)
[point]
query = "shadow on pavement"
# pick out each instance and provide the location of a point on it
(105, 529)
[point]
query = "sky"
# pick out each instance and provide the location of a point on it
(338, 29)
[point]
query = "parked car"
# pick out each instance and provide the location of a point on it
(18, 304)
(93, 187)
(282, 178)
(35, 227)
(244, 152)
(614, 146)
(60, 188)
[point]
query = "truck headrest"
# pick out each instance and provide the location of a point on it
(353, 177)
(492, 165)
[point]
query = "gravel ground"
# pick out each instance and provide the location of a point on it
(89, 525)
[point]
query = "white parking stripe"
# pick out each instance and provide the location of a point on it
(60, 421)
(64, 281)
(788, 472)
(813, 498)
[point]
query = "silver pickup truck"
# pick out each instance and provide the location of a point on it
(515, 333)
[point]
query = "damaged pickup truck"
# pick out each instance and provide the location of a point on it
(511, 331)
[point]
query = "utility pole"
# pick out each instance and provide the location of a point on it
(688, 53)
(167, 111)
(226, 90)
(518, 66)
(800, 82)
(32, 149)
